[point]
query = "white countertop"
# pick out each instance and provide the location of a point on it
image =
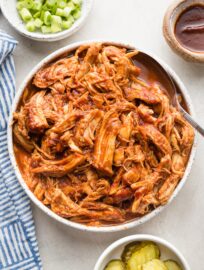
(182, 223)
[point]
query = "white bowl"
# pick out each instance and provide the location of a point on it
(168, 251)
(10, 12)
(132, 223)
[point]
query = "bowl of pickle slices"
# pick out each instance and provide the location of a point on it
(141, 252)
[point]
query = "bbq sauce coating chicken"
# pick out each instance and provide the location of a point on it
(102, 145)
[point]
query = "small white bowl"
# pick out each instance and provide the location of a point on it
(170, 19)
(10, 12)
(113, 228)
(168, 251)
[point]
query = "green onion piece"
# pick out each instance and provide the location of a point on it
(76, 14)
(37, 5)
(77, 2)
(71, 19)
(55, 28)
(42, 15)
(20, 5)
(66, 24)
(61, 4)
(30, 26)
(25, 14)
(28, 4)
(51, 3)
(38, 23)
(56, 25)
(56, 19)
(59, 12)
(54, 9)
(71, 5)
(47, 18)
(45, 29)
(36, 15)
(67, 12)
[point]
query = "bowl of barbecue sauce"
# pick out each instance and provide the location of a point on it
(183, 29)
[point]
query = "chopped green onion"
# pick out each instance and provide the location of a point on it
(38, 23)
(20, 5)
(25, 14)
(28, 3)
(37, 5)
(61, 4)
(66, 24)
(47, 18)
(54, 9)
(77, 2)
(45, 29)
(42, 15)
(51, 3)
(76, 14)
(59, 12)
(56, 19)
(70, 19)
(36, 15)
(55, 28)
(66, 12)
(71, 5)
(56, 25)
(30, 26)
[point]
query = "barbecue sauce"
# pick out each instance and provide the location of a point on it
(189, 29)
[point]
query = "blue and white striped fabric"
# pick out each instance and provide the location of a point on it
(18, 245)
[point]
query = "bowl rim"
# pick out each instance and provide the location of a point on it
(102, 229)
(38, 36)
(141, 237)
(170, 18)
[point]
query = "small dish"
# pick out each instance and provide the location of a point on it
(168, 251)
(11, 14)
(170, 19)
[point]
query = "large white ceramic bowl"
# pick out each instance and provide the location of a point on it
(168, 251)
(9, 11)
(132, 223)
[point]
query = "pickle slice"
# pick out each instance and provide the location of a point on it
(154, 265)
(143, 255)
(130, 248)
(172, 265)
(115, 265)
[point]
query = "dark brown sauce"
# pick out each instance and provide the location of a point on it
(21, 157)
(189, 29)
(151, 73)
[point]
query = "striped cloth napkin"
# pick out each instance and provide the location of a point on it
(18, 245)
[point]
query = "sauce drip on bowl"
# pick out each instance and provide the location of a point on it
(189, 29)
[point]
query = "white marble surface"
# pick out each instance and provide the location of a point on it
(182, 223)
